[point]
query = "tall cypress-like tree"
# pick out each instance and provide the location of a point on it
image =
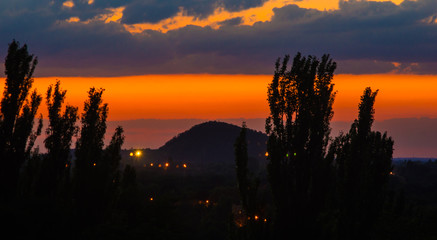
(363, 160)
(17, 116)
(96, 169)
(55, 171)
(248, 185)
(87, 190)
(300, 101)
(109, 172)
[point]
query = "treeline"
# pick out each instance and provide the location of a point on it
(319, 187)
(69, 197)
(322, 187)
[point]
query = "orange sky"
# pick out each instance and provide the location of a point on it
(234, 96)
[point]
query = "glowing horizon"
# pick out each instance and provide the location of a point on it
(207, 96)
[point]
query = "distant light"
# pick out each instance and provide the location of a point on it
(159, 165)
(166, 164)
(94, 164)
(286, 155)
(391, 173)
(185, 165)
(267, 154)
(294, 154)
(256, 217)
(131, 154)
(151, 164)
(207, 201)
(138, 153)
(265, 219)
(177, 166)
(151, 199)
(66, 165)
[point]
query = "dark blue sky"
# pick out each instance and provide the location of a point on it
(362, 36)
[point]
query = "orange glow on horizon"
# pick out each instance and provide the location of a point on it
(207, 96)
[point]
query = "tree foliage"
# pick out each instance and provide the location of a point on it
(363, 160)
(96, 169)
(17, 116)
(300, 101)
(248, 187)
(56, 166)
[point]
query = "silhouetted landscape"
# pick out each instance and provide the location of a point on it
(213, 181)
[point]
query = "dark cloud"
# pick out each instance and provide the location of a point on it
(363, 37)
(231, 22)
(153, 11)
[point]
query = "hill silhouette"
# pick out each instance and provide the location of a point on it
(208, 144)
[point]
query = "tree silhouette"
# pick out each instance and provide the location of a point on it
(248, 188)
(300, 101)
(96, 170)
(363, 161)
(17, 116)
(55, 171)
(89, 148)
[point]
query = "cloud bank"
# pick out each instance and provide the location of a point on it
(133, 37)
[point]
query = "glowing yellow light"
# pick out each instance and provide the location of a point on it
(166, 164)
(138, 153)
(267, 154)
(131, 154)
(185, 165)
(94, 164)
(256, 217)
(151, 164)
(151, 199)
(207, 201)
(265, 219)
(391, 173)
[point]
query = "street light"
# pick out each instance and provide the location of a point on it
(135, 154)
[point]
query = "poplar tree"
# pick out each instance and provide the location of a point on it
(17, 116)
(363, 160)
(55, 171)
(95, 171)
(87, 191)
(300, 101)
(254, 227)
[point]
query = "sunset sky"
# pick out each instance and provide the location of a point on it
(213, 59)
